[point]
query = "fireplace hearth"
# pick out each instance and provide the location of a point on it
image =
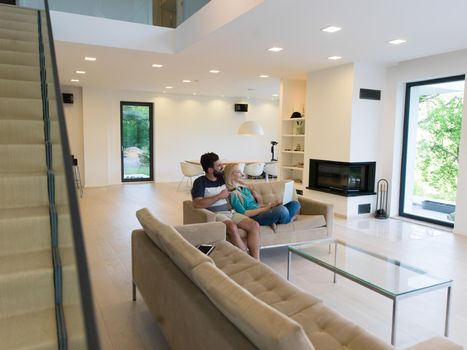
(341, 178)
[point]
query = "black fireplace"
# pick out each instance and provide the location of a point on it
(344, 179)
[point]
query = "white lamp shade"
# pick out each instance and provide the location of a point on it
(250, 128)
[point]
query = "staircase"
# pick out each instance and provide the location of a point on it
(40, 297)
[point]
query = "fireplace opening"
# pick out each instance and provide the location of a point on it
(344, 179)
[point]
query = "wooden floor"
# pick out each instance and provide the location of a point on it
(108, 216)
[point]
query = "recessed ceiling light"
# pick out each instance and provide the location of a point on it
(215, 71)
(186, 81)
(275, 95)
(169, 87)
(334, 58)
(75, 80)
(397, 41)
(331, 29)
(264, 76)
(275, 49)
(80, 72)
(90, 59)
(157, 65)
(194, 93)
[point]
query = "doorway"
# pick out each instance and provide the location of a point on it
(432, 126)
(136, 137)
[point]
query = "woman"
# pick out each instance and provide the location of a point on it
(243, 201)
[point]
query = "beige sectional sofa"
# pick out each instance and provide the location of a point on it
(315, 220)
(229, 300)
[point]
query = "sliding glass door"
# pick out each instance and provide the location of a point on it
(136, 127)
(432, 126)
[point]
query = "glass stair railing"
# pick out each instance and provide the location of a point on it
(163, 13)
(45, 295)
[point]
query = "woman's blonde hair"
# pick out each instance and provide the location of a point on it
(228, 178)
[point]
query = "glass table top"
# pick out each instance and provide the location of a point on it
(384, 275)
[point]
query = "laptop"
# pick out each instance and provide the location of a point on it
(288, 192)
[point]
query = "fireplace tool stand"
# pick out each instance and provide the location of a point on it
(382, 199)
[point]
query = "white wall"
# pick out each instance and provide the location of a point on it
(329, 112)
(366, 114)
(342, 127)
(184, 128)
(438, 66)
(74, 123)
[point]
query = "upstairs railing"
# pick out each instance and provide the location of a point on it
(164, 13)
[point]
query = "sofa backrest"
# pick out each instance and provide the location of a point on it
(182, 253)
(270, 191)
(264, 326)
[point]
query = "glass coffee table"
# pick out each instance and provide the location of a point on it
(388, 277)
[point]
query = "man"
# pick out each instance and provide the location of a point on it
(209, 192)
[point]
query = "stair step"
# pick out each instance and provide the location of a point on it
(23, 190)
(21, 131)
(17, 35)
(19, 26)
(22, 158)
(30, 228)
(26, 282)
(32, 331)
(20, 89)
(19, 58)
(24, 229)
(23, 109)
(22, 46)
(19, 72)
(17, 10)
(18, 17)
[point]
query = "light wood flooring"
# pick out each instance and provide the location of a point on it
(108, 217)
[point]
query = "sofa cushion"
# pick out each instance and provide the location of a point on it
(270, 191)
(325, 328)
(182, 253)
(263, 325)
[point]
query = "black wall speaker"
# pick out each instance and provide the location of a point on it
(368, 94)
(241, 107)
(67, 98)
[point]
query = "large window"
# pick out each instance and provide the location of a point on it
(432, 126)
(136, 141)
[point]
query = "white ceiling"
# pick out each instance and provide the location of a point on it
(239, 48)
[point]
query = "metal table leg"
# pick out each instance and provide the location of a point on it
(335, 260)
(448, 309)
(289, 262)
(394, 322)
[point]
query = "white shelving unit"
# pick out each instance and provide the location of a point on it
(291, 148)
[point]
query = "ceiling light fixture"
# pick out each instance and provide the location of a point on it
(397, 41)
(186, 81)
(90, 59)
(75, 80)
(169, 87)
(264, 76)
(334, 58)
(157, 65)
(194, 93)
(275, 95)
(80, 72)
(331, 29)
(215, 71)
(275, 49)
